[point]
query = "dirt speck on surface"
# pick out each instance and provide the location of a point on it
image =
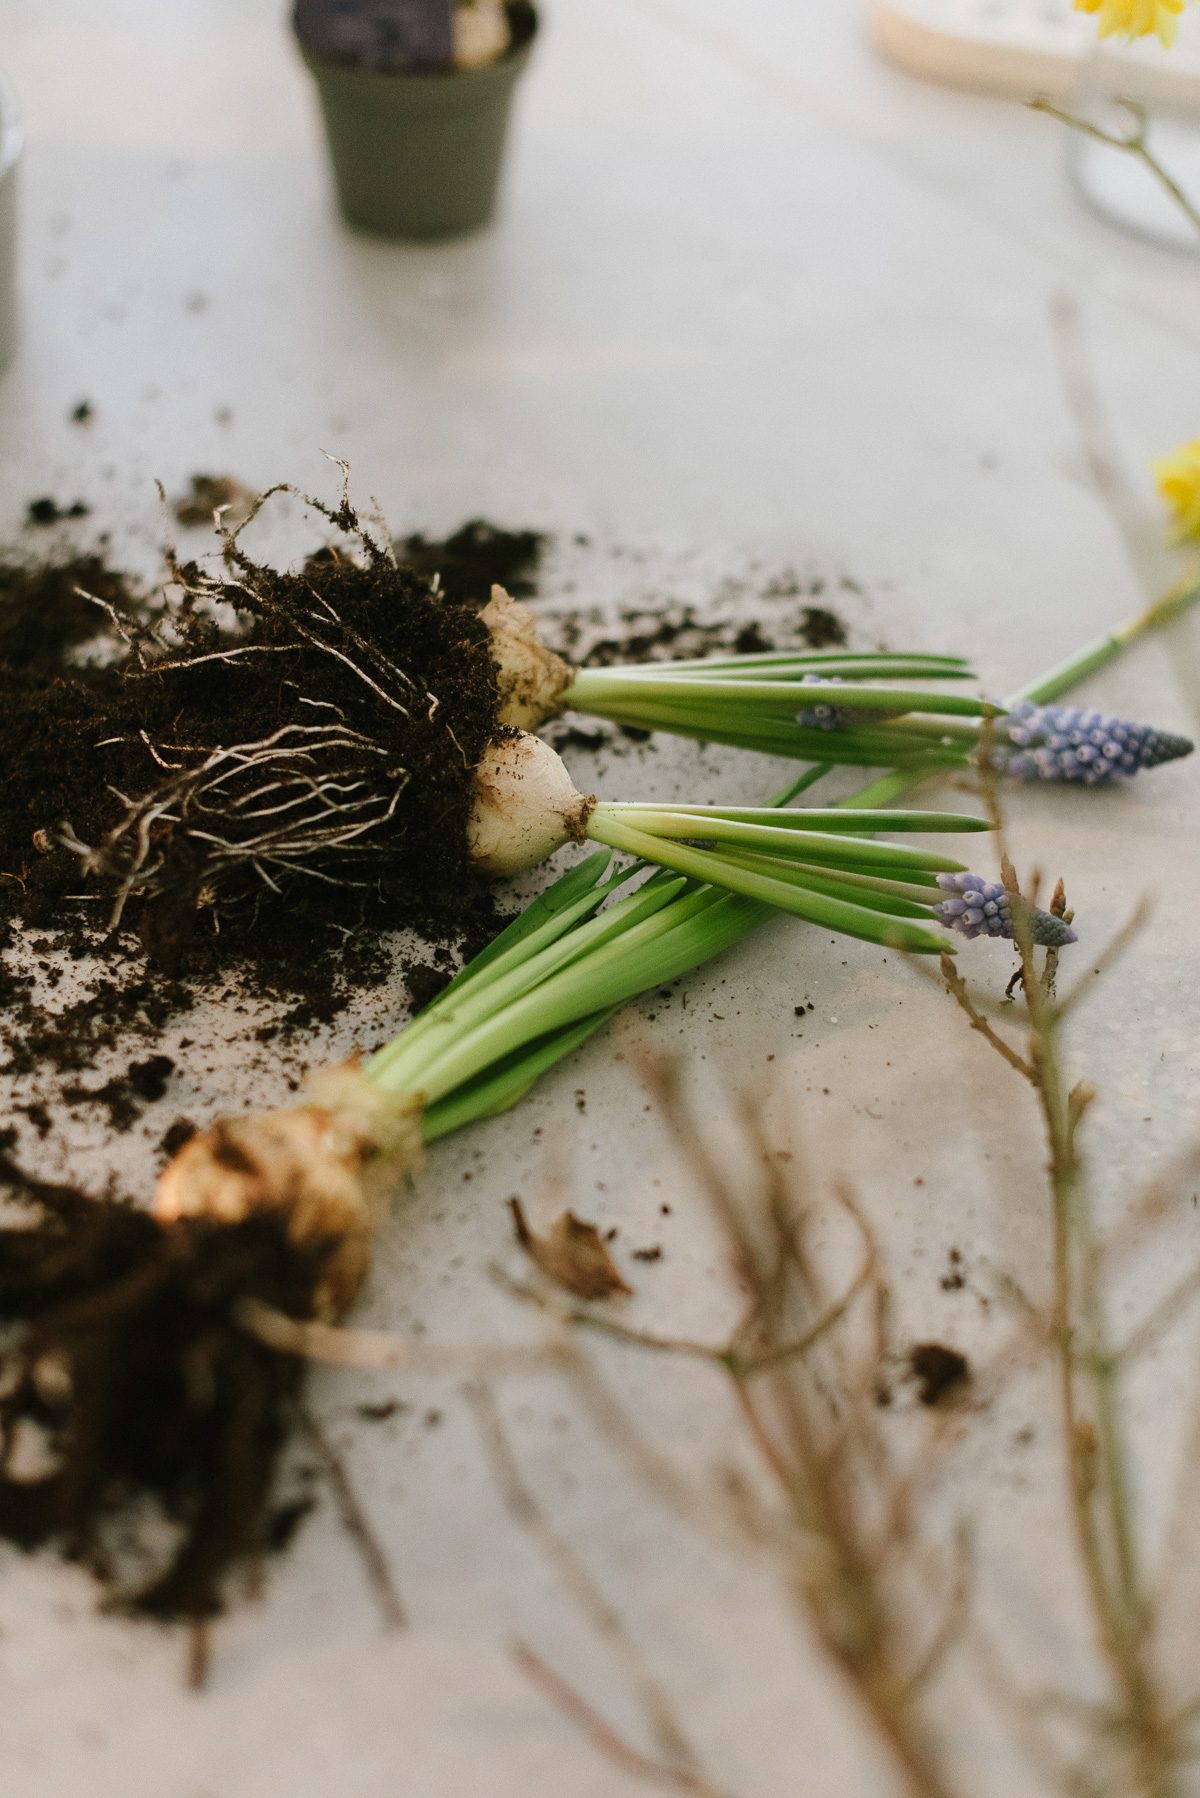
(939, 1371)
(955, 1277)
(208, 493)
(46, 510)
(143, 1083)
(175, 1135)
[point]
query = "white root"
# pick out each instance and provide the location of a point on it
(526, 806)
(531, 678)
(325, 1167)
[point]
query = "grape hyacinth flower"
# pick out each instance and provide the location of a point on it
(1058, 742)
(982, 907)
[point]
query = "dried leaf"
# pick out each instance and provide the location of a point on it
(572, 1254)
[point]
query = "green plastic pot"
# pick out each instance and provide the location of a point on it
(417, 155)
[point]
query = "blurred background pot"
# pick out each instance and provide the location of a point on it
(418, 153)
(11, 142)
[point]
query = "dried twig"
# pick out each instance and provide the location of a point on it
(600, 1732)
(679, 1757)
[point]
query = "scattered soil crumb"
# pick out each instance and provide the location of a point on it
(176, 1134)
(476, 555)
(51, 511)
(381, 1409)
(208, 493)
(955, 1278)
(83, 413)
(142, 1083)
(938, 1370)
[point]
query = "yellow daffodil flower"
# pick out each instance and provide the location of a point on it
(1178, 479)
(1136, 18)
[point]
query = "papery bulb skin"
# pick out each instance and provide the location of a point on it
(321, 1166)
(526, 806)
(530, 678)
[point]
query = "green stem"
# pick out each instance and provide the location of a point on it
(525, 1002)
(1164, 610)
(838, 914)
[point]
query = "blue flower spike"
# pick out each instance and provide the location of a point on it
(979, 907)
(1063, 743)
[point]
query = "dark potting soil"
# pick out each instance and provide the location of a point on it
(401, 678)
(45, 616)
(73, 700)
(476, 555)
(123, 1366)
(142, 1083)
(682, 630)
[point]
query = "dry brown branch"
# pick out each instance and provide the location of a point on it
(600, 1732)
(679, 1757)
(1094, 1441)
(956, 986)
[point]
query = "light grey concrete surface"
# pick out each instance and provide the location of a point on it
(755, 303)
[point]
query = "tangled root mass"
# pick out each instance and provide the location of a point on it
(140, 1426)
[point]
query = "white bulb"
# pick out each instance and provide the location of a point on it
(526, 806)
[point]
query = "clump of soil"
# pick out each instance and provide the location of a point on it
(143, 1083)
(50, 511)
(940, 1372)
(331, 738)
(360, 699)
(475, 556)
(92, 700)
(133, 1400)
(46, 614)
(209, 493)
(680, 631)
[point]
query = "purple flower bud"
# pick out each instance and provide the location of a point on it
(1056, 742)
(833, 717)
(821, 717)
(982, 907)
